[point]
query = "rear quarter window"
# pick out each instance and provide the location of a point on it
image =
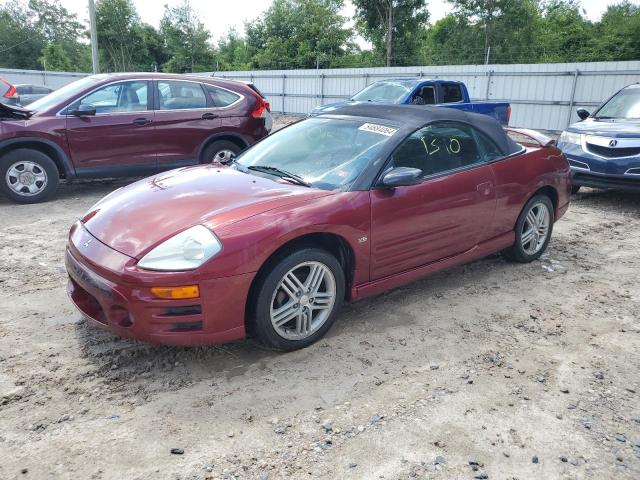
(222, 97)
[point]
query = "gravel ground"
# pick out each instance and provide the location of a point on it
(491, 370)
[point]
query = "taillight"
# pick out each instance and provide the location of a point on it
(267, 105)
(11, 93)
(508, 114)
(262, 106)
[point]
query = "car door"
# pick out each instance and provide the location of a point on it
(119, 138)
(447, 213)
(185, 118)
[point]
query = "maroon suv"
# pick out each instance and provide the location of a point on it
(125, 125)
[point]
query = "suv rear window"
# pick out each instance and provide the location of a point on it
(222, 97)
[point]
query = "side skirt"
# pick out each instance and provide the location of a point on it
(493, 245)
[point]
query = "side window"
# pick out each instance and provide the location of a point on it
(426, 96)
(24, 90)
(452, 93)
(438, 148)
(222, 97)
(119, 97)
(489, 148)
(41, 90)
(177, 95)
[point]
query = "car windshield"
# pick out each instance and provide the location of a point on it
(324, 153)
(60, 95)
(624, 105)
(386, 91)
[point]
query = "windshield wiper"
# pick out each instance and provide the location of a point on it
(278, 172)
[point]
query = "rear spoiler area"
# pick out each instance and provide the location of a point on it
(529, 138)
(15, 112)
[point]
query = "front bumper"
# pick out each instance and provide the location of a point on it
(587, 178)
(129, 310)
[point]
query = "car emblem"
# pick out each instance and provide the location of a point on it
(86, 244)
(613, 143)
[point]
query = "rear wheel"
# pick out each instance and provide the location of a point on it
(28, 176)
(298, 299)
(533, 230)
(220, 151)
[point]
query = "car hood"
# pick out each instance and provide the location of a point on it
(613, 129)
(136, 218)
(14, 111)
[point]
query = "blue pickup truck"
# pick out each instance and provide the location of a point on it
(421, 91)
(603, 149)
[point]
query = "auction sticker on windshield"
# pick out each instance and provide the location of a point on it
(381, 129)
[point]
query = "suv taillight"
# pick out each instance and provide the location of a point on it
(11, 93)
(260, 108)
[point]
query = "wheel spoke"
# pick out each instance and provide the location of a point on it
(314, 280)
(540, 216)
(285, 313)
(13, 172)
(528, 236)
(531, 218)
(303, 324)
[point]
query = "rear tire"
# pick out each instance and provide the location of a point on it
(297, 299)
(220, 151)
(28, 176)
(533, 230)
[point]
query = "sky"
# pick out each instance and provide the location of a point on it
(219, 16)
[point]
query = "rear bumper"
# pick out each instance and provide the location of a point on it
(585, 178)
(131, 311)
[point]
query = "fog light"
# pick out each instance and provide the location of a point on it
(176, 293)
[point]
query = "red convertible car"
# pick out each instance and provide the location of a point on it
(336, 207)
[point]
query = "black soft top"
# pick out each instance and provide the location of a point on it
(413, 117)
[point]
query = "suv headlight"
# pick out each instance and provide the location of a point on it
(185, 251)
(570, 138)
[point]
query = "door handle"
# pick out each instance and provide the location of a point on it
(485, 188)
(142, 121)
(209, 116)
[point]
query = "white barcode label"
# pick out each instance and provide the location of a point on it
(380, 129)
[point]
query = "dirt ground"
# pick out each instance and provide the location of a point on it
(491, 370)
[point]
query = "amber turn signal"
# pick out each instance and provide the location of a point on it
(176, 293)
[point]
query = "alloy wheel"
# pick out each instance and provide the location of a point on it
(26, 178)
(535, 228)
(303, 300)
(224, 156)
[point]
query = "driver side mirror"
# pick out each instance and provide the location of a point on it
(583, 114)
(402, 176)
(83, 110)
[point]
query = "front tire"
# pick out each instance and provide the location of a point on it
(298, 299)
(220, 151)
(533, 230)
(28, 176)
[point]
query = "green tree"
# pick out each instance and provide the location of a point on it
(299, 34)
(618, 33)
(117, 24)
(508, 27)
(187, 40)
(564, 34)
(232, 53)
(54, 57)
(20, 42)
(393, 26)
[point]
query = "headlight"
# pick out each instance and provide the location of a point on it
(185, 251)
(570, 138)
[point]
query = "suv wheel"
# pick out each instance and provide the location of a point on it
(220, 151)
(28, 176)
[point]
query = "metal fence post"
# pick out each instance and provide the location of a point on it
(322, 89)
(486, 95)
(366, 79)
(284, 81)
(573, 95)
